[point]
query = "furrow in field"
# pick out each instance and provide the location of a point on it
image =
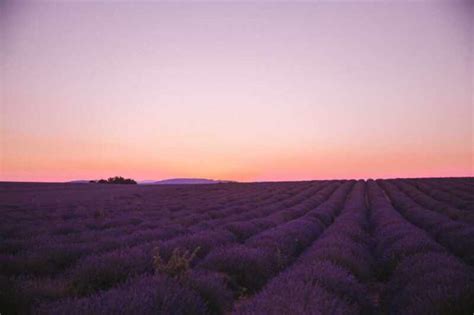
(431, 204)
(456, 236)
(442, 195)
(331, 275)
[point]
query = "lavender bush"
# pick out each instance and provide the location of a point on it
(403, 246)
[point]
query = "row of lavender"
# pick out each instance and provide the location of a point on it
(226, 270)
(376, 291)
(315, 247)
(453, 232)
(107, 228)
(370, 261)
(71, 264)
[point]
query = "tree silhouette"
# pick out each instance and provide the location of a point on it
(114, 180)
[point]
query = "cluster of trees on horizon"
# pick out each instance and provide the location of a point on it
(114, 180)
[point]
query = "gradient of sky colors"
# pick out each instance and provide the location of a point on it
(249, 91)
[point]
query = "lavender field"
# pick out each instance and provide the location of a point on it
(403, 246)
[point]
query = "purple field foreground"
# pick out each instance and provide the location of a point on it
(403, 246)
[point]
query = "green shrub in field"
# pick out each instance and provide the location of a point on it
(177, 265)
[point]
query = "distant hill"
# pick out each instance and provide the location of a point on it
(146, 181)
(79, 181)
(188, 181)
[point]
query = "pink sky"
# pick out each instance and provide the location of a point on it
(253, 91)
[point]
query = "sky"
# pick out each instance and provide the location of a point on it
(249, 91)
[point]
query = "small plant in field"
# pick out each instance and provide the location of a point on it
(100, 213)
(177, 265)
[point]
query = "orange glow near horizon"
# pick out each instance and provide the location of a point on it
(246, 166)
(247, 92)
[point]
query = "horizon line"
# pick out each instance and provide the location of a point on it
(72, 181)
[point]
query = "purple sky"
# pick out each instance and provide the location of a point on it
(252, 91)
